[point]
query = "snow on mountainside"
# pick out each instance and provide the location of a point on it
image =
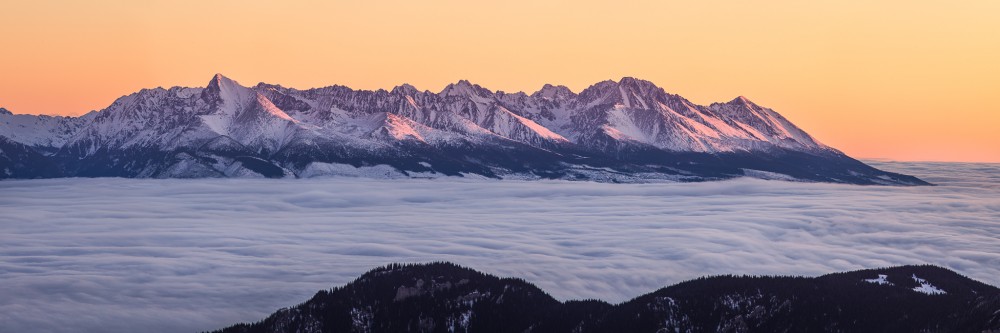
(39, 130)
(626, 130)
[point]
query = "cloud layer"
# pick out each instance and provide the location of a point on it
(119, 255)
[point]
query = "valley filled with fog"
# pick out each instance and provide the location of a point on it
(125, 255)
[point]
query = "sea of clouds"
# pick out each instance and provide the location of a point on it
(125, 255)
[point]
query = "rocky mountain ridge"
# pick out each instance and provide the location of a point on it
(620, 131)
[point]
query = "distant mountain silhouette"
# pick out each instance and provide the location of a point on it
(443, 297)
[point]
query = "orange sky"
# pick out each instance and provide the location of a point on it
(904, 80)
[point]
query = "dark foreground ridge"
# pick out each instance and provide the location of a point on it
(614, 131)
(443, 297)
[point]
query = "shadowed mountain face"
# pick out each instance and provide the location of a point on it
(443, 297)
(20, 161)
(624, 131)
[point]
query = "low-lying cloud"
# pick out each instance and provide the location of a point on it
(120, 255)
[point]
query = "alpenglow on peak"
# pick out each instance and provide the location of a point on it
(628, 130)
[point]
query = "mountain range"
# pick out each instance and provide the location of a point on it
(613, 131)
(442, 297)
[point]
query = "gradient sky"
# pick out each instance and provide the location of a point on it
(904, 80)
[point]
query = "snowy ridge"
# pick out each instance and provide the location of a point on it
(41, 130)
(627, 128)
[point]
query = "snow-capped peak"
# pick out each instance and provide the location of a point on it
(549, 91)
(742, 100)
(641, 88)
(464, 88)
(405, 89)
(223, 85)
(5, 111)
(608, 120)
(634, 82)
(227, 95)
(628, 92)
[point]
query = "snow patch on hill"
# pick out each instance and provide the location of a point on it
(881, 279)
(926, 287)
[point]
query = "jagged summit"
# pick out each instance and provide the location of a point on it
(405, 89)
(628, 130)
(635, 82)
(743, 101)
(220, 83)
(5, 111)
(223, 90)
(740, 102)
(552, 92)
(265, 85)
(464, 88)
(600, 86)
(217, 80)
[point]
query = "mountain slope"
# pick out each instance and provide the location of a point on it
(442, 297)
(43, 133)
(21, 161)
(623, 131)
